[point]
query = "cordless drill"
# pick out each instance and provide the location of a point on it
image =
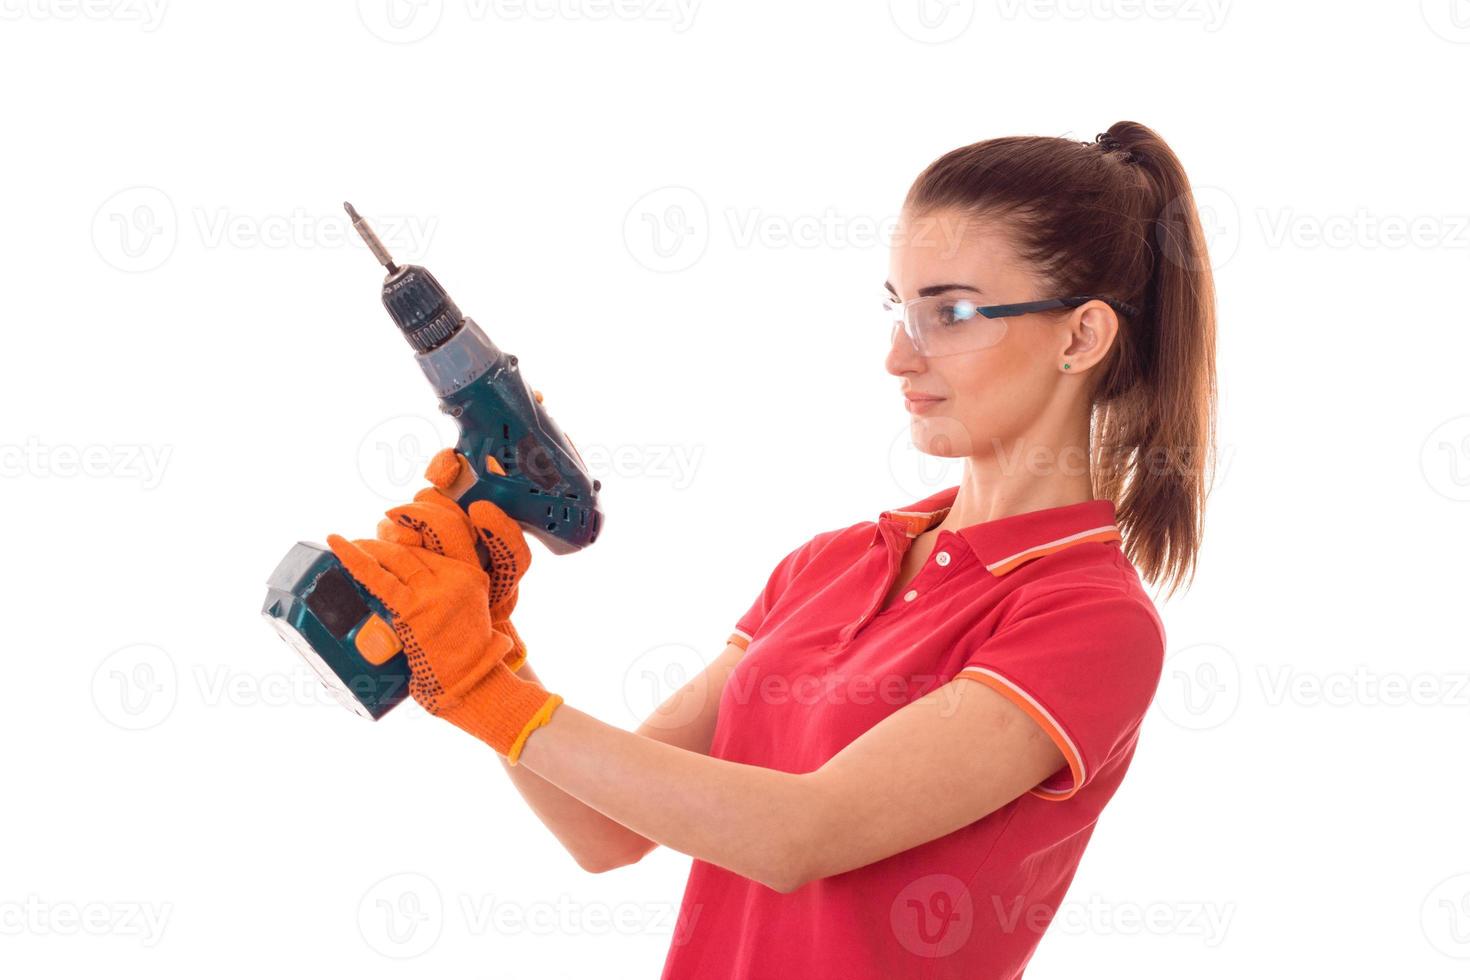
(519, 460)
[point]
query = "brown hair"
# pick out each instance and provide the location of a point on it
(1116, 217)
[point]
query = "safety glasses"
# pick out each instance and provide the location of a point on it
(942, 325)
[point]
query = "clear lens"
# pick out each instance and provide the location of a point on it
(941, 325)
(892, 319)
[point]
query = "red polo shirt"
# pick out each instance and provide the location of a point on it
(1044, 608)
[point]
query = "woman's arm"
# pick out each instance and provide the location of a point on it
(959, 752)
(685, 720)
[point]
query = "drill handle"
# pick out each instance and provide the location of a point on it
(521, 460)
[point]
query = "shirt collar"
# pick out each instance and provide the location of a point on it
(1007, 543)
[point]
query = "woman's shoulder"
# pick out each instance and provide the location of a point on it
(1095, 578)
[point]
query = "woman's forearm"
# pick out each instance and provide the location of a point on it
(750, 820)
(597, 842)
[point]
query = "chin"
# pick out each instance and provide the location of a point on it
(938, 435)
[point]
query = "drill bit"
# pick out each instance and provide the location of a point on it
(374, 245)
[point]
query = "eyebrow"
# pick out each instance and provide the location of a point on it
(936, 290)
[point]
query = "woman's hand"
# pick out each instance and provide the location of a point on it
(440, 609)
(485, 537)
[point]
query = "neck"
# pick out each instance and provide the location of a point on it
(1041, 469)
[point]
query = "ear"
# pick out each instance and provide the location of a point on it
(1092, 328)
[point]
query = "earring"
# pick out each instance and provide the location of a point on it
(1066, 367)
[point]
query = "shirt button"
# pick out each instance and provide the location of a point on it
(942, 558)
(910, 595)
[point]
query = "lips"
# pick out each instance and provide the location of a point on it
(920, 403)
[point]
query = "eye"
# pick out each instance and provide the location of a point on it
(956, 312)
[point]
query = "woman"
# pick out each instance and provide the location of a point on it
(893, 768)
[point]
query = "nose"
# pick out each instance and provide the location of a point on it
(902, 357)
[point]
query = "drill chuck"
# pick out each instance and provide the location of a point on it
(421, 307)
(411, 294)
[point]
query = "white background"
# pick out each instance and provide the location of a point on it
(674, 216)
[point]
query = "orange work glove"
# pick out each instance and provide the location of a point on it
(441, 612)
(436, 522)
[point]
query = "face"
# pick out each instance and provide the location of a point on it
(991, 397)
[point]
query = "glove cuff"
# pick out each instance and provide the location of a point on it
(502, 711)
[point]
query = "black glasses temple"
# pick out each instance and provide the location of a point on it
(1041, 306)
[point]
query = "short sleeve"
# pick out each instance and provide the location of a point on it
(786, 570)
(1084, 664)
